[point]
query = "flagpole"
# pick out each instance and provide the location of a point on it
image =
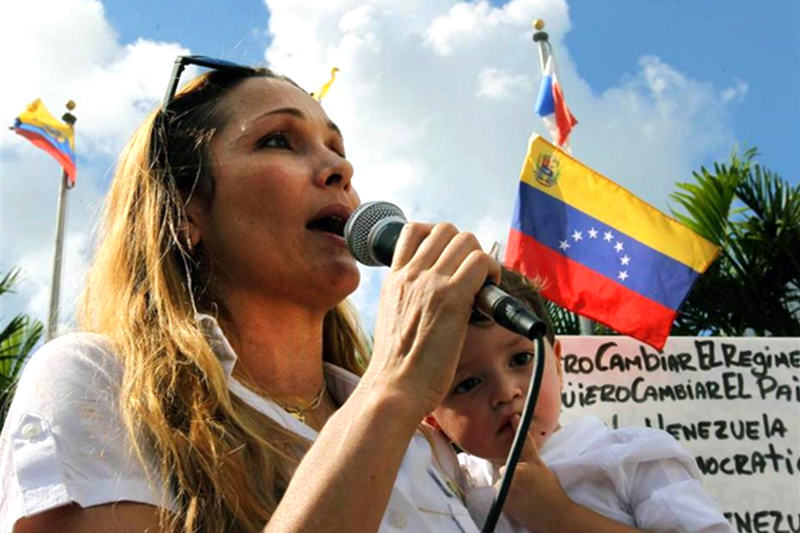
(61, 212)
(541, 38)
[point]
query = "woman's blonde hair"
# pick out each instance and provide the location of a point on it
(223, 464)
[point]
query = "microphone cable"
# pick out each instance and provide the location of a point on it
(519, 437)
(371, 233)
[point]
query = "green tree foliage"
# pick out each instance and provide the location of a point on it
(754, 285)
(564, 322)
(17, 339)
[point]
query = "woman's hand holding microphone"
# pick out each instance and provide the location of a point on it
(425, 305)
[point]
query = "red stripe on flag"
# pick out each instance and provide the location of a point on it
(564, 119)
(66, 163)
(574, 286)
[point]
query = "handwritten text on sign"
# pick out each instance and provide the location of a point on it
(733, 403)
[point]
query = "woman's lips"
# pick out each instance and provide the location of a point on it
(329, 222)
(330, 218)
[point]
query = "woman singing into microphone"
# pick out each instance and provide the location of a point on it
(214, 385)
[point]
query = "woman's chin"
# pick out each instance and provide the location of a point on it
(341, 282)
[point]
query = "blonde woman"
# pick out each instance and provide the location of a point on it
(214, 384)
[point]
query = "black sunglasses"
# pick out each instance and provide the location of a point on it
(181, 62)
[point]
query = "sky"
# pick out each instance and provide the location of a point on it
(434, 99)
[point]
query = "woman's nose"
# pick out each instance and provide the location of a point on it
(336, 172)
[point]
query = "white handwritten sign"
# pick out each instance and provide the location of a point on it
(733, 403)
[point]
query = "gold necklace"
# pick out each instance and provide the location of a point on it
(299, 412)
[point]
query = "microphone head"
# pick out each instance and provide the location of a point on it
(362, 223)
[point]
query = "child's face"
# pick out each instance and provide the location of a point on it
(490, 387)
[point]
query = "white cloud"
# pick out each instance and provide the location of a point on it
(652, 129)
(736, 93)
(65, 49)
(473, 25)
(435, 100)
(462, 23)
(496, 84)
(356, 20)
(434, 97)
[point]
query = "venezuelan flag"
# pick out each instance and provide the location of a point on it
(50, 134)
(601, 251)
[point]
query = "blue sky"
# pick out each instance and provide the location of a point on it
(719, 41)
(434, 98)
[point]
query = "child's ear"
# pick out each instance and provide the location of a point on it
(432, 422)
(559, 367)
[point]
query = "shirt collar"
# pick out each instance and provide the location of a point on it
(218, 342)
(340, 382)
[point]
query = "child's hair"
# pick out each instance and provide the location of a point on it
(528, 290)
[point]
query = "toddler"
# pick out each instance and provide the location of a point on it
(580, 477)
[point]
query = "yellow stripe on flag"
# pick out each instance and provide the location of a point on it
(36, 114)
(584, 189)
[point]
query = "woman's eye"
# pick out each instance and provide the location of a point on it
(521, 359)
(276, 139)
(339, 149)
(466, 385)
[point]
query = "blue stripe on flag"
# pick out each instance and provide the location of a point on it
(61, 146)
(545, 104)
(610, 252)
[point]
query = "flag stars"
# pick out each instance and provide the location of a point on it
(608, 236)
(624, 260)
(577, 235)
(563, 245)
(623, 275)
(618, 247)
(592, 233)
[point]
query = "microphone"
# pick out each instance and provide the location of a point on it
(371, 233)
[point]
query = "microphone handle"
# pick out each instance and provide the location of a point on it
(509, 312)
(383, 238)
(493, 302)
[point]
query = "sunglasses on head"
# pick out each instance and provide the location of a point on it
(181, 62)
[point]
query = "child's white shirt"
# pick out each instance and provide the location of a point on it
(636, 476)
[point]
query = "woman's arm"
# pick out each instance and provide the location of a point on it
(537, 501)
(122, 517)
(346, 478)
(579, 519)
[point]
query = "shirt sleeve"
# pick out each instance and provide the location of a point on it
(63, 440)
(666, 493)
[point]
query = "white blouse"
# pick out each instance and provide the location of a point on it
(64, 441)
(636, 476)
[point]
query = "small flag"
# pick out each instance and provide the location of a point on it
(50, 134)
(601, 251)
(319, 95)
(552, 107)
